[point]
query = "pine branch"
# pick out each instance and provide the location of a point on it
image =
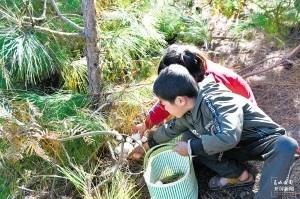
(65, 19)
(91, 133)
(58, 33)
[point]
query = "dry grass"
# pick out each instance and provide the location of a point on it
(131, 105)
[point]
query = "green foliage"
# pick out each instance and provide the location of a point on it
(69, 6)
(5, 189)
(229, 8)
(58, 105)
(297, 5)
(129, 44)
(275, 17)
(124, 4)
(28, 58)
(6, 179)
(25, 57)
(177, 25)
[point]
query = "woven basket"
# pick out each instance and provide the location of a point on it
(166, 163)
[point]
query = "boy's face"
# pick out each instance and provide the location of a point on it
(177, 108)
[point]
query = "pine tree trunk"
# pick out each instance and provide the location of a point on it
(92, 50)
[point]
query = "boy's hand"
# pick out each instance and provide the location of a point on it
(138, 152)
(182, 148)
(139, 128)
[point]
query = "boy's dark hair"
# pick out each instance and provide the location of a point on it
(173, 81)
(187, 56)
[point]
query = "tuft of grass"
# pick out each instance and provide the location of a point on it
(121, 187)
(79, 178)
(75, 76)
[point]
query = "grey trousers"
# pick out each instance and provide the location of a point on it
(277, 151)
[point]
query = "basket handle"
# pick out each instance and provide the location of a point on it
(151, 150)
(148, 154)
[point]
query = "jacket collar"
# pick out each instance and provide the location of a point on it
(204, 87)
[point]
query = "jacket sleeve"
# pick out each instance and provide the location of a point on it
(167, 132)
(225, 129)
(156, 115)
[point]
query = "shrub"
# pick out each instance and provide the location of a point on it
(275, 18)
(177, 25)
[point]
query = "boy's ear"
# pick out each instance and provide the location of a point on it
(180, 100)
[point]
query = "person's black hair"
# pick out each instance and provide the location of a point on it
(187, 56)
(173, 81)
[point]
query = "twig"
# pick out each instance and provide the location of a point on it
(53, 186)
(59, 33)
(111, 151)
(223, 37)
(257, 64)
(41, 18)
(50, 176)
(65, 19)
(91, 133)
(67, 155)
(30, 190)
(293, 53)
(101, 107)
(26, 4)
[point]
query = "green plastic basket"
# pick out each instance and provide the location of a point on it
(165, 163)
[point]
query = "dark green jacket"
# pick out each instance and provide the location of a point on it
(220, 119)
